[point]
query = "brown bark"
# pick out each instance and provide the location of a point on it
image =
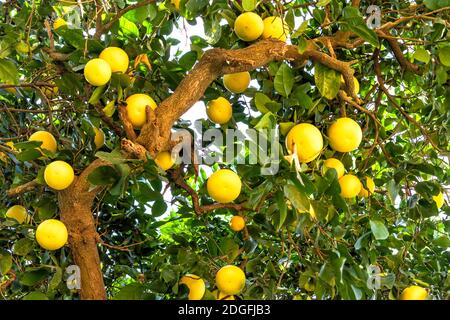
(155, 134)
(75, 204)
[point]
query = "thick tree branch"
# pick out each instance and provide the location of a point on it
(129, 129)
(26, 187)
(155, 135)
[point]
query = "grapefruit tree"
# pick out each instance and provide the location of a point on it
(356, 100)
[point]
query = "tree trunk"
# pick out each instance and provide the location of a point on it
(75, 204)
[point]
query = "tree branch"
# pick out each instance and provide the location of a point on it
(380, 80)
(26, 187)
(101, 29)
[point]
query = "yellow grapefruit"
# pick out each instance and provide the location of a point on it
(237, 223)
(414, 293)
(335, 164)
(116, 57)
(230, 280)
(224, 186)
(370, 185)
(275, 27)
(19, 213)
(195, 284)
(307, 140)
(47, 139)
(97, 72)
(164, 160)
(219, 110)
(136, 106)
(237, 82)
(345, 135)
(51, 234)
(248, 26)
(59, 175)
(350, 186)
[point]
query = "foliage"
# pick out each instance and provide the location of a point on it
(151, 235)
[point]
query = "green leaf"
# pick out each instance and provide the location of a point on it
(159, 208)
(96, 95)
(322, 3)
(30, 278)
(22, 247)
(284, 80)
(249, 5)
(104, 175)
(327, 80)
(5, 262)
(27, 145)
(260, 100)
(379, 230)
(28, 155)
(436, 4)
(422, 55)
(35, 295)
(282, 209)
(355, 22)
(133, 291)
(128, 28)
(196, 5)
(302, 45)
(188, 60)
(8, 72)
(300, 29)
(298, 199)
(268, 121)
(138, 15)
(444, 56)
(56, 279)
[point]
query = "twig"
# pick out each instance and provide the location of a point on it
(29, 186)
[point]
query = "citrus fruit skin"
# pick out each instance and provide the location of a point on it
(237, 223)
(219, 110)
(19, 213)
(345, 135)
(237, 82)
(22, 47)
(117, 59)
(224, 186)
(176, 3)
(59, 22)
(99, 139)
(164, 160)
(48, 140)
(51, 234)
(439, 199)
(350, 186)
(308, 142)
(97, 72)
(195, 284)
(414, 293)
(275, 27)
(221, 296)
(335, 164)
(355, 81)
(370, 185)
(59, 175)
(136, 105)
(248, 26)
(230, 280)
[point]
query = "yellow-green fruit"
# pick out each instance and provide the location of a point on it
(176, 3)
(219, 110)
(345, 135)
(50, 92)
(51, 234)
(99, 138)
(196, 286)
(248, 26)
(335, 164)
(230, 280)
(59, 175)
(221, 296)
(350, 186)
(237, 82)
(116, 57)
(370, 185)
(59, 22)
(224, 186)
(136, 106)
(275, 27)
(439, 199)
(19, 213)
(164, 160)
(237, 223)
(355, 81)
(414, 293)
(308, 142)
(97, 72)
(47, 139)
(22, 47)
